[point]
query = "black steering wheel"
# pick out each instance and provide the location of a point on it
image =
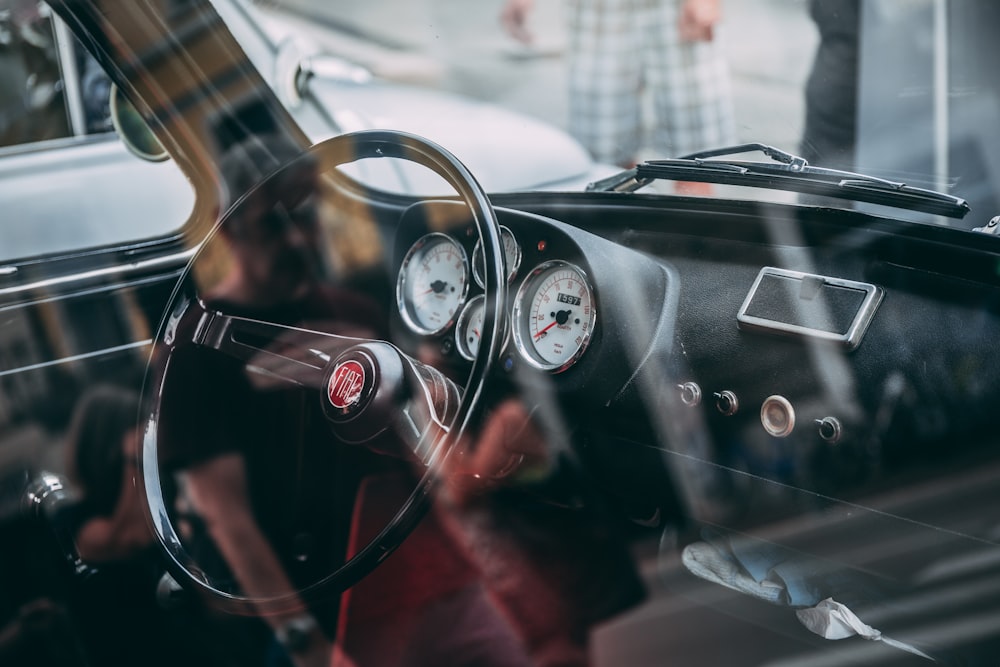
(363, 389)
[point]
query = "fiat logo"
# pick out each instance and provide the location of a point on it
(346, 383)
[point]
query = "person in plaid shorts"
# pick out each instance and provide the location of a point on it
(619, 50)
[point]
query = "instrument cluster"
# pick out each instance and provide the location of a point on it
(553, 311)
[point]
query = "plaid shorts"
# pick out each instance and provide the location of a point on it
(621, 49)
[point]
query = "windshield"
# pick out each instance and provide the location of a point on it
(889, 88)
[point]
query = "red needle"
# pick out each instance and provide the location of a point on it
(547, 327)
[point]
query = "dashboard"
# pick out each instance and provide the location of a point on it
(770, 352)
(568, 314)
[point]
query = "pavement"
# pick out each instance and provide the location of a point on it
(460, 46)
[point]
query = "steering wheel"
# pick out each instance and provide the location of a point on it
(366, 391)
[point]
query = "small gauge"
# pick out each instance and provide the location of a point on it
(554, 315)
(432, 283)
(469, 330)
(511, 257)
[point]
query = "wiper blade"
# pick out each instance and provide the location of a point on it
(787, 172)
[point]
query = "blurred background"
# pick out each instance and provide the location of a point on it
(461, 46)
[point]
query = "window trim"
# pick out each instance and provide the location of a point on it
(73, 95)
(118, 271)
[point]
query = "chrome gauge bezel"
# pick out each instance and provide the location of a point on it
(405, 304)
(511, 255)
(522, 315)
(464, 320)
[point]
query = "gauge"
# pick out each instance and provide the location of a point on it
(511, 257)
(469, 329)
(432, 283)
(554, 315)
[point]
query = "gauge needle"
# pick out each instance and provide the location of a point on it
(547, 327)
(437, 287)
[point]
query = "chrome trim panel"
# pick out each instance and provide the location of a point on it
(78, 357)
(120, 270)
(851, 338)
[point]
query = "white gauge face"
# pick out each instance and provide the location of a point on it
(432, 283)
(554, 314)
(511, 257)
(469, 330)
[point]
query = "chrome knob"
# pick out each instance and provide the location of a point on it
(726, 402)
(690, 394)
(830, 429)
(777, 416)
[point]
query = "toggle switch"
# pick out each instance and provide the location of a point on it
(690, 393)
(726, 402)
(830, 429)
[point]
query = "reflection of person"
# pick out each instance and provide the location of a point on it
(555, 571)
(215, 430)
(119, 616)
(273, 239)
(832, 88)
(103, 451)
(619, 49)
(264, 478)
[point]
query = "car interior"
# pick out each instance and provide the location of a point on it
(326, 422)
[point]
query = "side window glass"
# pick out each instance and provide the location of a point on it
(95, 91)
(32, 96)
(96, 194)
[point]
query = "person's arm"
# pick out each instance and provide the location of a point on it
(121, 535)
(217, 489)
(509, 448)
(514, 19)
(698, 20)
(125, 532)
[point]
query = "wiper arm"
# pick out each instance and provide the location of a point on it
(787, 172)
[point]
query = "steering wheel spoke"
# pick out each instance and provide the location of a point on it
(273, 353)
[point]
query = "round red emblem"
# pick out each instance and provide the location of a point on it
(346, 383)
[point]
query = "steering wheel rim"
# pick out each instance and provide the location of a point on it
(328, 155)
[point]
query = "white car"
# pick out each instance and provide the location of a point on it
(78, 152)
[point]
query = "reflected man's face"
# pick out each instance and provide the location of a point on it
(275, 237)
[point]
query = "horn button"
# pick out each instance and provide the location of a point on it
(361, 386)
(372, 389)
(350, 384)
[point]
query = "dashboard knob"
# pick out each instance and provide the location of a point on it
(726, 402)
(690, 394)
(777, 416)
(830, 429)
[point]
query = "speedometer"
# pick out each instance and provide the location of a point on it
(554, 315)
(432, 283)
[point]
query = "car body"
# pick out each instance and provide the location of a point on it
(81, 151)
(326, 420)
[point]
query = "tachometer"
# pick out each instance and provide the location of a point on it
(432, 283)
(554, 315)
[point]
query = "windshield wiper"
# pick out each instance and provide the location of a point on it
(787, 172)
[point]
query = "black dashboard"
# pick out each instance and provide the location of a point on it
(768, 350)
